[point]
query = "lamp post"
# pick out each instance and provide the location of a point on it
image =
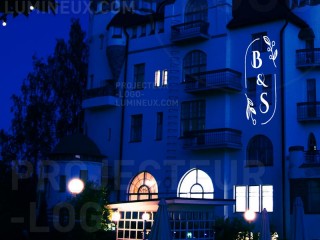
(75, 186)
(115, 217)
(145, 217)
(249, 216)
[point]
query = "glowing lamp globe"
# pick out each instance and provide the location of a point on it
(115, 217)
(75, 186)
(146, 216)
(249, 215)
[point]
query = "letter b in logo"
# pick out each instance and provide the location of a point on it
(256, 60)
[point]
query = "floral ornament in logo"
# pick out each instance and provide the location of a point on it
(250, 110)
(274, 54)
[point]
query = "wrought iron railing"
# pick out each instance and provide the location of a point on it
(308, 57)
(189, 30)
(213, 138)
(312, 157)
(308, 111)
(108, 89)
(211, 80)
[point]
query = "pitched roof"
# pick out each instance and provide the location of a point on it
(76, 144)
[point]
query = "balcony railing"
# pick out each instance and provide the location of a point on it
(306, 58)
(109, 89)
(197, 30)
(308, 111)
(103, 96)
(222, 138)
(222, 79)
(312, 157)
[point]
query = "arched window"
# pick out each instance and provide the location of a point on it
(195, 184)
(196, 10)
(143, 186)
(260, 151)
(194, 62)
(312, 142)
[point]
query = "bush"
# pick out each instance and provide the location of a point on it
(234, 229)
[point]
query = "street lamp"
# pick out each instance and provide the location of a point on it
(75, 186)
(145, 217)
(249, 215)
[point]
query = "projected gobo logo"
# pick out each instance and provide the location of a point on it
(261, 106)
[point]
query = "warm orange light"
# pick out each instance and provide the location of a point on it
(115, 217)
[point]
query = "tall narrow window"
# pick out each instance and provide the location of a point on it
(259, 151)
(194, 62)
(241, 198)
(139, 71)
(254, 198)
(196, 10)
(62, 183)
(143, 30)
(193, 115)
(159, 126)
(84, 175)
(312, 143)
(252, 89)
(311, 97)
(134, 32)
(161, 26)
(136, 128)
(157, 80)
(259, 45)
(267, 198)
(164, 77)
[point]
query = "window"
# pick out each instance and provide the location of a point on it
(192, 116)
(241, 198)
(312, 143)
(255, 198)
(62, 183)
(195, 184)
(311, 98)
(196, 10)
(161, 26)
(160, 78)
(309, 191)
(143, 187)
(157, 76)
(136, 128)
(134, 32)
(159, 126)
(259, 151)
(164, 77)
(252, 89)
(143, 30)
(193, 63)
(153, 28)
(139, 70)
(259, 45)
(84, 175)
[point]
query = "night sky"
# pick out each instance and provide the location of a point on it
(25, 36)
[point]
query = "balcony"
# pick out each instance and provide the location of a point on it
(307, 58)
(190, 31)
(312, 157)
(222, 138)
(308, 111)
(104, 96)
(218, 80)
